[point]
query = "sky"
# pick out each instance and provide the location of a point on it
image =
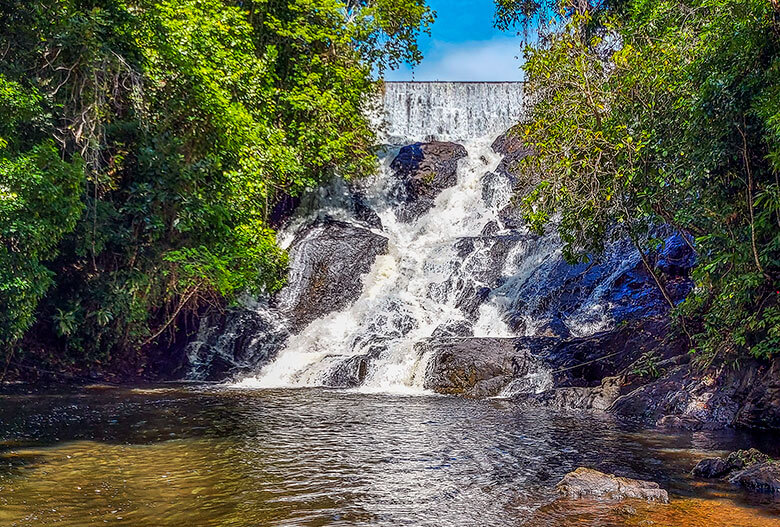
(464, 46)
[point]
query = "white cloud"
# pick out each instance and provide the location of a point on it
(489, 60)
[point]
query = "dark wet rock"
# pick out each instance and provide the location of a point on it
(751, 470)
(479, 367)
(283, 210)
(553, 328)
(577, 397)
(491, 229)
(717, 467)
(608, 353)
(711, 468)
(511, 217)
(364, 213)
(762, 477)
(761, 402)
(236, 341)
(423, 170)
(459, 328)
(589, 483)
(326, 260)
(717, 397)
(676, 257)
(511, 147)
(496, 188)
(349, 373)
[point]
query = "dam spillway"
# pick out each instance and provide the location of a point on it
(448, 111)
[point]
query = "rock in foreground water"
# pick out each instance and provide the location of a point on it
(589, 483)
(749, 469)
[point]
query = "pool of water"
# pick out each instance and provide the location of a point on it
(209, 456)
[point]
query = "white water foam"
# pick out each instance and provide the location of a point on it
(407, 294)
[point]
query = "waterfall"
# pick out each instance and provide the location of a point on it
(461, 269)
(408, 293)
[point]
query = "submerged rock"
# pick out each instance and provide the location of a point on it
(423, 171)
(589, 483)
(326, 261)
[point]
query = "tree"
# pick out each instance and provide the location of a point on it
(186, 122)
(666, 111)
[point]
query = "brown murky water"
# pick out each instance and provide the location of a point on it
(201, 456)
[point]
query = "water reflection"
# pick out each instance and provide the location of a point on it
(202, 457)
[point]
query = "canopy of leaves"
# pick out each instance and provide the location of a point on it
(145, 142)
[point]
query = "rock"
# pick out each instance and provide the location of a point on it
(326, 260)
(496, 189)
(349, 373)
(511, 217)
(579, 398)
(680, 422)
(423, 170)
(490, 229)
(761, 403)
(237, 341)
(458, 328)
(589, 483)
(608, 353)
(751, 470)
(676, 257)
(364, 213)
(479, 367)
(760, 477)
(717, 467)
(511, 147)
(717, 398)
(714, 467)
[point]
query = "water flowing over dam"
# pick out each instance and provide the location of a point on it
(449, 111)
(406, 282)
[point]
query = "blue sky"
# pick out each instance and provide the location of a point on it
(464, 46)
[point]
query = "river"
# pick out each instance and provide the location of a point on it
(204, 455)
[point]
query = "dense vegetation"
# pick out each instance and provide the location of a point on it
(649, 112)
(144, 144)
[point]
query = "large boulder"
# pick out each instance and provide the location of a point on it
(714, 398)
(423, 171)
(589, 483)
(326, 260)
(480, 366)
(761, 477)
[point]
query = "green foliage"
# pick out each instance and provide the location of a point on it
(149, 140)
(40, 201)
(666, 111)
(647, 366)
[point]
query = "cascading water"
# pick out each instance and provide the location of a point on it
(457, 269)
(407, 295)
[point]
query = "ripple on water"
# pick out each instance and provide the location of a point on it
(210, 456)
